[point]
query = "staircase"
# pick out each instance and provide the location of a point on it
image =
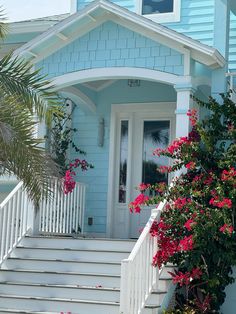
(63, 274)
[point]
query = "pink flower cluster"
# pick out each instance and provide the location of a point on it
(69, 182)
(191, 165)
(224, 203)
(143, 187)
(227, 229)
(180, 202)
(184, 279)
(173, 148)
(192, 114)
(186, 244)
(228, 175)
(135, 206)
(167, 245)
(69, 178)
(189, 224)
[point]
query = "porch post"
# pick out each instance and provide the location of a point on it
(183, 104)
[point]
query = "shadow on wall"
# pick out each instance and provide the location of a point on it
(230, 301)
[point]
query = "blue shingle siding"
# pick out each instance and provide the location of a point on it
(197, 17)
(232, 44)
(120, 47)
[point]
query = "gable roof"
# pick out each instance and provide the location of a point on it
(100, 11)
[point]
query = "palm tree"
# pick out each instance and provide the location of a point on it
(26, 99)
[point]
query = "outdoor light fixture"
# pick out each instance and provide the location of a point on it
(101, 132)
(133, 83)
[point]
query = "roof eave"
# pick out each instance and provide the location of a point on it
(209, 55)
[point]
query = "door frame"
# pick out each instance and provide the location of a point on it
(119, 112)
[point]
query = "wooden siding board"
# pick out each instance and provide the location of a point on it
(232, 43)
(196, 16)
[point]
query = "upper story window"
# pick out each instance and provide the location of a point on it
(161, 11)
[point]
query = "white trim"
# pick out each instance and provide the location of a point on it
(73, 6)
(30, 26)
(84, 76)
(101, 87)
(163, 17)
(124, 112)
(201, 52)
(62, 36)
(79, 98)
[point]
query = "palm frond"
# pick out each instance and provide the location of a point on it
(32, 90)
(3, 25)
(22, 154)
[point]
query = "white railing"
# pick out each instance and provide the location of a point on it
(231, 76)
(63, 214)
(138, 276)
(16, 219)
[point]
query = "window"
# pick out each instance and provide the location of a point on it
(161, 11)
(157, 6)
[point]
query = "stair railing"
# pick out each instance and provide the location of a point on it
(138, 276)
(64, 213)
(16, 219)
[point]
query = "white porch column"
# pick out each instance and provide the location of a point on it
(184, 103)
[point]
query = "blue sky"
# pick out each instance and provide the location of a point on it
(18, 10)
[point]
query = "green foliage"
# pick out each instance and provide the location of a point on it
(61, 139)
(24, 94)
(197, 228)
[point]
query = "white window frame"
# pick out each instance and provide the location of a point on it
(162, 17)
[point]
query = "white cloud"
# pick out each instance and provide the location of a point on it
(18, 10)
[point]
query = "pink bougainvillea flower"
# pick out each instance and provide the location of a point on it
(192, 113)
(186, 244)
(191, 165)
(143, 187)
(189, 224)
(226, 229)
(224, 203)
(135, 206)
(184, 279)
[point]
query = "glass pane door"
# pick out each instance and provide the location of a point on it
(155, 135)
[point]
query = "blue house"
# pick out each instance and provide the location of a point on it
(128, 69)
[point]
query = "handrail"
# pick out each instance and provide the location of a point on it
(138, 276)
(16, 219)
(63, 214)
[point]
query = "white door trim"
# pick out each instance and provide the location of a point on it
(164, 110)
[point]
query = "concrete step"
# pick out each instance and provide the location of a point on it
(92, 267)
(60, 291)
(57, 305)
(156, 298)
(59, 278)
(79, 243)
(70, 254)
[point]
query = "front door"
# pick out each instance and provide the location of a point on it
(138, 131)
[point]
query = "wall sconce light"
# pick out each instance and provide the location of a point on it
(101, 132)
(133, 83)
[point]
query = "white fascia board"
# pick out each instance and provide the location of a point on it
(202, 53)
(30, 27)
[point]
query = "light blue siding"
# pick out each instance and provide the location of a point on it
(87, 125)
(197, 17)
(112, 45)
(232, 43)
(197, 20)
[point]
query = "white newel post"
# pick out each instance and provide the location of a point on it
(184, 103)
